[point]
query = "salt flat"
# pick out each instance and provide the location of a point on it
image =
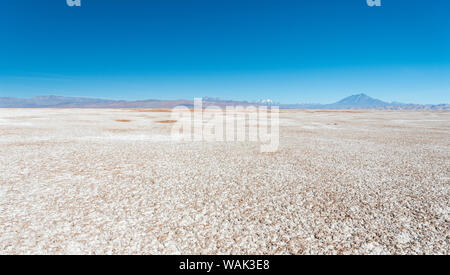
(111, 181)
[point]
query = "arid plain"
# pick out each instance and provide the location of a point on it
(106, 181)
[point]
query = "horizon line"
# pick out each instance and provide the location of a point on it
(275, 102)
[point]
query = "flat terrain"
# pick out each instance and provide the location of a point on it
(111, 181)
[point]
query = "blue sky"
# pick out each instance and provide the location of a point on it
(290, 51)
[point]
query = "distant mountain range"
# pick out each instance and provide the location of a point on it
(359, 101)
(365, 102)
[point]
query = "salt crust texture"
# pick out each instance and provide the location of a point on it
(111, 182)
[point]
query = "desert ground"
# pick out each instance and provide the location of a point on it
(105, 181)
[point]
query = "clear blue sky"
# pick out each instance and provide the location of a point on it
(290, 51)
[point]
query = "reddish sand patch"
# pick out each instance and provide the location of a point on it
(123, 120)
(167, 121)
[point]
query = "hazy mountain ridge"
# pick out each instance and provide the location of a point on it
(365, 102)
(49, 102)
(356, 102)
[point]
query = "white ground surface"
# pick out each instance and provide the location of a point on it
(79, 181)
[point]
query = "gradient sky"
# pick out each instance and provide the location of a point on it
(290, 51)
